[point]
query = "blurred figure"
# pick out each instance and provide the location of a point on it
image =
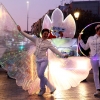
(93, 43)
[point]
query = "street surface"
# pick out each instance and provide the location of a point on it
(10, 91)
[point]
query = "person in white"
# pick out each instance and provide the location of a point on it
(42, 45)
(93, 43)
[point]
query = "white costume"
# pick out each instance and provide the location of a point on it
(93, 43)
(61, 72)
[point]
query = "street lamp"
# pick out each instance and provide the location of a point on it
(76, 15)
(27, 13)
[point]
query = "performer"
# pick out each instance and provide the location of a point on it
(20, 62)
(93, 43)
(42, 45)
(23, 68)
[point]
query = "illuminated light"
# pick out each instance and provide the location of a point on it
(81, 33)
(31, 66)
(21, 47)
(80, 67)
(83, 89)
(0, 13)
(59, 95)
(64, 43)
(27, 2)
(57, 20)
(75, 45)
(82, 63)
(70, 26)
(47, 23)
(77, 14)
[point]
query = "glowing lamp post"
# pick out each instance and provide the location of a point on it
(27, 13)
(76, 15)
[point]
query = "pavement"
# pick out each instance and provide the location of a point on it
(10, 91)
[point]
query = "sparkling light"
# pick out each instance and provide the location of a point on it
(21, 47)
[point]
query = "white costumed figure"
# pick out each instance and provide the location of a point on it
(19, 61)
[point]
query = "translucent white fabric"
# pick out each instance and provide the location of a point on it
(63, 73)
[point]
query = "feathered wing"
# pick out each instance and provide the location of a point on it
(17, 56)
(72, 71)
(5, 27)
(66, 73)
(9, 35)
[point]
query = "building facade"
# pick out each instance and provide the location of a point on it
(37, 26)
(93, 6)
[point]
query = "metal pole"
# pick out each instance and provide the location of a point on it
(27, 14)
